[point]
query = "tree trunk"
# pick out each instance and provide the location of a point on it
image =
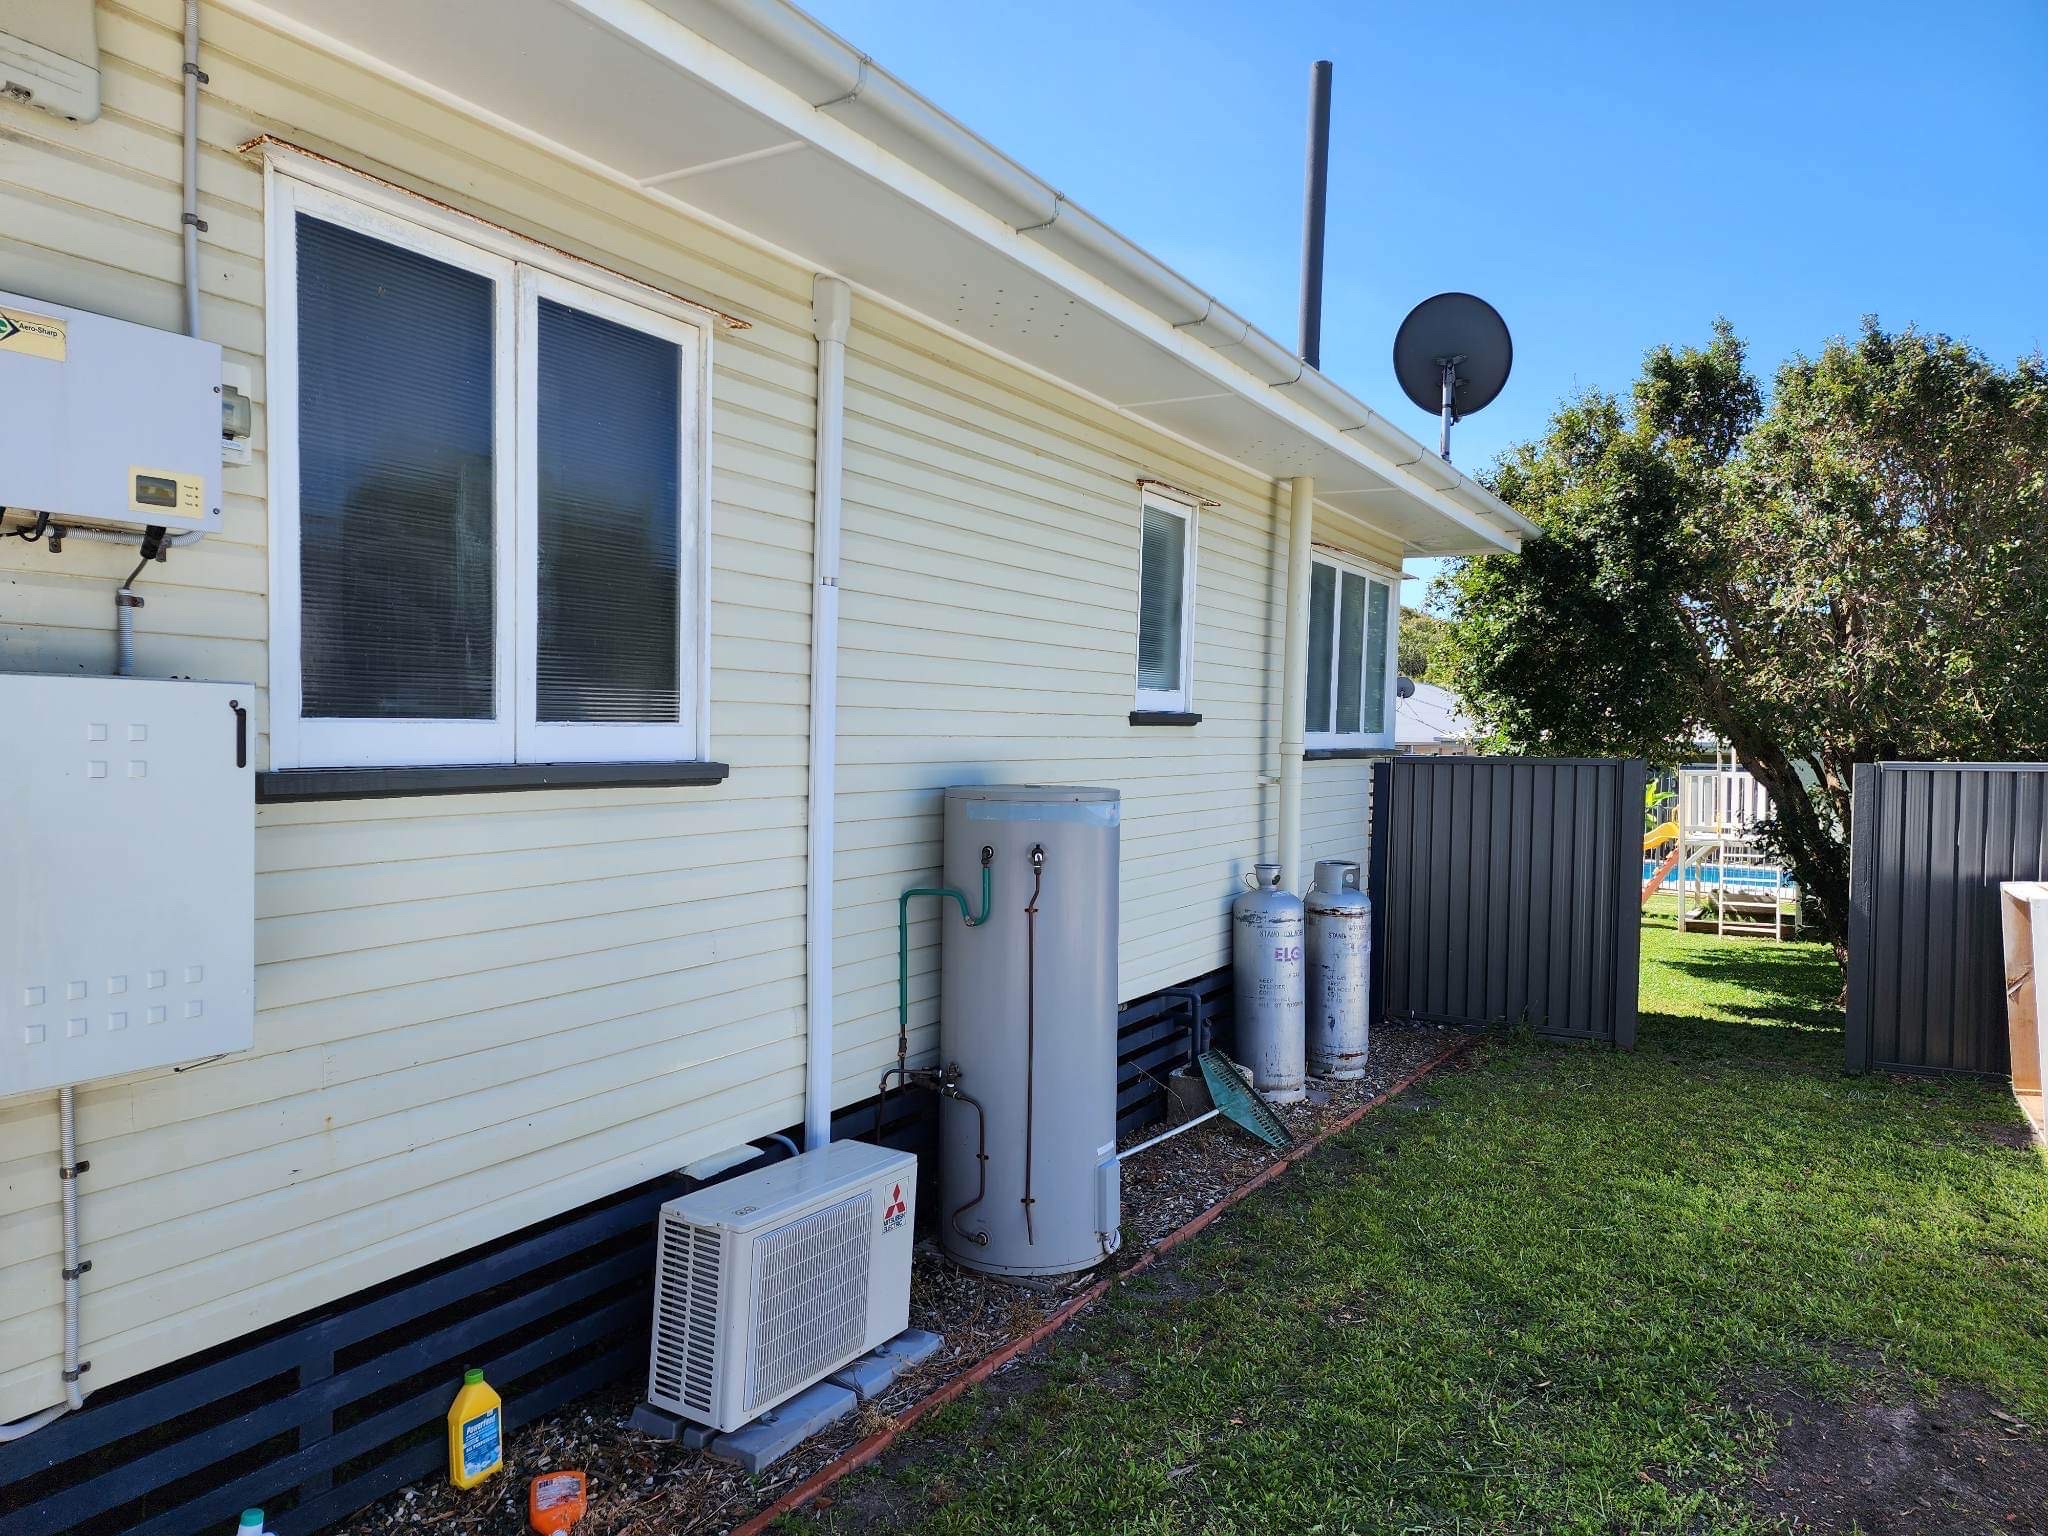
(1819, 859)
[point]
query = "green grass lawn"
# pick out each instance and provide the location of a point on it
(1529, 1296)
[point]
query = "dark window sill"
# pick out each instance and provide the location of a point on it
(1346, 754)
(1163, 717)
(288, 785)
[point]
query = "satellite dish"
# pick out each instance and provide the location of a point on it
(1452, 356)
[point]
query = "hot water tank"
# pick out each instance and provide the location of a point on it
(1027, 1015)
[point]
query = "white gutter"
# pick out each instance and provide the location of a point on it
(831, 308)
(1294, 676)
(779, 40)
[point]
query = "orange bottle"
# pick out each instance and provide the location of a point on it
(555, 1502)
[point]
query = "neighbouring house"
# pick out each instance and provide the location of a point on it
(1429, 720)
(679, 451)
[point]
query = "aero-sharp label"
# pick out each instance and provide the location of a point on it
(28, 335)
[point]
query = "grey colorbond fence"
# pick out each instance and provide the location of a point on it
(1930, 843)
(1508, 887)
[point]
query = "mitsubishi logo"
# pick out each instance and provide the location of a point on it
(897, 1210)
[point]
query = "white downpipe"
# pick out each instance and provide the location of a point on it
(1294, 676)
(831, 308)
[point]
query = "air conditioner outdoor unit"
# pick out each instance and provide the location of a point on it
(768, 1282)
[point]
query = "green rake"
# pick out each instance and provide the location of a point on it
(1238, 1102)
(1235, 1099)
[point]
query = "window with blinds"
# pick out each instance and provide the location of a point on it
(397, 472)
(1166, 601)
(488, 502)
(1350, 657)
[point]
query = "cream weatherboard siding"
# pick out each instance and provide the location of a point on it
(478, 1011)
(474, 1011)
(989, 633)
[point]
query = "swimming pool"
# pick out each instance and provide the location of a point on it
(1738, 878)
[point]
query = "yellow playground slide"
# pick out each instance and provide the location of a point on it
(1665, 832)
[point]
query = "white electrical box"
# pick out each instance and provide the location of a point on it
(127, 876)
(775, 1279)
(107, 423)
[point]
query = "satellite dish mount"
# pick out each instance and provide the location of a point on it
(1449, 365)
(1452, 357)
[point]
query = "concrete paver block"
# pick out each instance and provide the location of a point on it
(782, 1429)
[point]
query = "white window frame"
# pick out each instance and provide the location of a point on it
(542, 741)
(1175, 701)
(1341, 563)
(522, 272)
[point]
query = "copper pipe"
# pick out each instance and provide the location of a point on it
(950, 1087)
(1031, 1024)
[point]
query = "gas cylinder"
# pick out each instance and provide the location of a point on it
(1267, 960)
(1339, 968)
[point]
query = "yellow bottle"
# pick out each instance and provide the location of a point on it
(476, 1439)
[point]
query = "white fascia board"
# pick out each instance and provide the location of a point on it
(1176, 310)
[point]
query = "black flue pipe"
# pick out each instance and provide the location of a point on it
(1317, 202)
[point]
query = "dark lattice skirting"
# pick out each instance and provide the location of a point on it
(318, 1416)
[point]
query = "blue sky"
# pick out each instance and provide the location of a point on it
(1609, 175)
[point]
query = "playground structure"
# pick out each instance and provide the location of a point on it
(1726, 882)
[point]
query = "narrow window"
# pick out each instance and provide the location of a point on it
(397, 548)
(1350, 658)
(606, 405)
(1373, 720)
(1350, 652)
(1165, 605)
(610, 454)
(1322, 622)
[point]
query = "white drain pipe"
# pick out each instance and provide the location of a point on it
(1294, 677)
(831, 308)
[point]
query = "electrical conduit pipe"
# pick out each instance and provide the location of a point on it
(1294, 677)
(189, 226)
(831, 310)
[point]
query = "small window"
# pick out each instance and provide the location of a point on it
(1350, 657)
(1166, 604)
(487, 503)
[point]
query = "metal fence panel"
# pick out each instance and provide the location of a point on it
(1501, 888)
(1930, 844)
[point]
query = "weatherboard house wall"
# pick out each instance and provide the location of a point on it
(475, 1011)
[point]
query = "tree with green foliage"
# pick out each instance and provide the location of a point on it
(1423, 638)
(1856, 572)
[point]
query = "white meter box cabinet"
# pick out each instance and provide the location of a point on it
(127, 876)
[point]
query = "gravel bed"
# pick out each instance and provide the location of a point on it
(643, 1487)
(1175, 1182)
